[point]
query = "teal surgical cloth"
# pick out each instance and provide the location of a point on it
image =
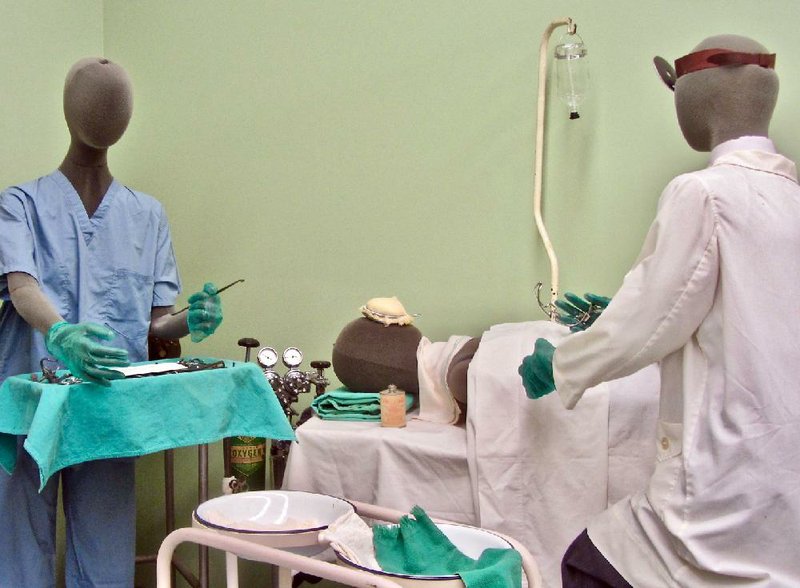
(417, 547)
(344, 405)
(67, 425)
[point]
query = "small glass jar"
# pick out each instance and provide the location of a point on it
(393, 407)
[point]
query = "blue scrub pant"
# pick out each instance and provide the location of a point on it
(100, 511)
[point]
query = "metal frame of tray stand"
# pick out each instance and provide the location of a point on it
(286, 561)
(159, 349)
(199, 580)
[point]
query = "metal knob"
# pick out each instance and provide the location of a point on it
(318, 379)
(248, 343)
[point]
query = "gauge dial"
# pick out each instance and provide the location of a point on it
(267, 357)
(292, 357)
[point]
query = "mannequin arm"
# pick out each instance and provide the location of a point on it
(33, 306)
(457, 370)
(202, 318)
(166, 326)
(31, 303)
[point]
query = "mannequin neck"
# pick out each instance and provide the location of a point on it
(732, 132)
(86, 168)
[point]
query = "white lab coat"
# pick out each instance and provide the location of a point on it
(715, 297)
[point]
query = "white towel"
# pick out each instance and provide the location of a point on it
(352, 537)
(436, 402)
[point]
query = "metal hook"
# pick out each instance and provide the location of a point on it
(581, 320)
(549, 309)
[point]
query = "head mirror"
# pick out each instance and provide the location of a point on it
(666, 71)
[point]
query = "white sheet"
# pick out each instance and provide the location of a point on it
(422, 463)
(436, 402)
(539, 471)
(529, 469)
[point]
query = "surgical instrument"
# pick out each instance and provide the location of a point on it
(220, 291)
(577, 314)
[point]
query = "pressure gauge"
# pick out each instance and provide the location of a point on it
(292, 357)
(267, 357)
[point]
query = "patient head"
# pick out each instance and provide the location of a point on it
(368, 356)
(381, 349)
(723, 102)
(98, 102)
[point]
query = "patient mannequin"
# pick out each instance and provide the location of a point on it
(368, 354)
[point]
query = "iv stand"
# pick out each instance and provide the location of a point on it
(537, 173)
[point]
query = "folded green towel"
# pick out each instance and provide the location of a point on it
(346, 405)
(418, 547)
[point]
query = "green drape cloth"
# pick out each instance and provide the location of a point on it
(67, 425)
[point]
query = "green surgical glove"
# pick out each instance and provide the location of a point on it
(536, 370)
(417, 546)
(75, 347)
(580, 313)
(205, 312)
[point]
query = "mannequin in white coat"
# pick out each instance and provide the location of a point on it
(704, 299)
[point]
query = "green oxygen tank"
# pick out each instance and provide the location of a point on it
(247, 456)
(248, 459)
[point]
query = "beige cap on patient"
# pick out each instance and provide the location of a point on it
(378, 349)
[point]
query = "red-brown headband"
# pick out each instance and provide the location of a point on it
(717, 57)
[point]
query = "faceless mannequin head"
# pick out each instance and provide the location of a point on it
(726, 102)
(98, 102)
(368, 356)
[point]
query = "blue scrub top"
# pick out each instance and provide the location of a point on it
(111, 269)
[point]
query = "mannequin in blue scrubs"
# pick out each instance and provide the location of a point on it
(88, 268)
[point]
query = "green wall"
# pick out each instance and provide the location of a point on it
(41, 40)
(333, 151)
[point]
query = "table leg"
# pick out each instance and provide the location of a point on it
(202, 496)
(169, 496)
(281, 577)
(231, 570)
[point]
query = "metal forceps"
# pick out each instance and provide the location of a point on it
(220, 291)
(50, 376)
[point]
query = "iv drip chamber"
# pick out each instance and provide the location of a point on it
(572, 73)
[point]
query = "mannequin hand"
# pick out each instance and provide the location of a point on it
(580, 313)
(76, 348)
(205, 312)
(536, 370)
